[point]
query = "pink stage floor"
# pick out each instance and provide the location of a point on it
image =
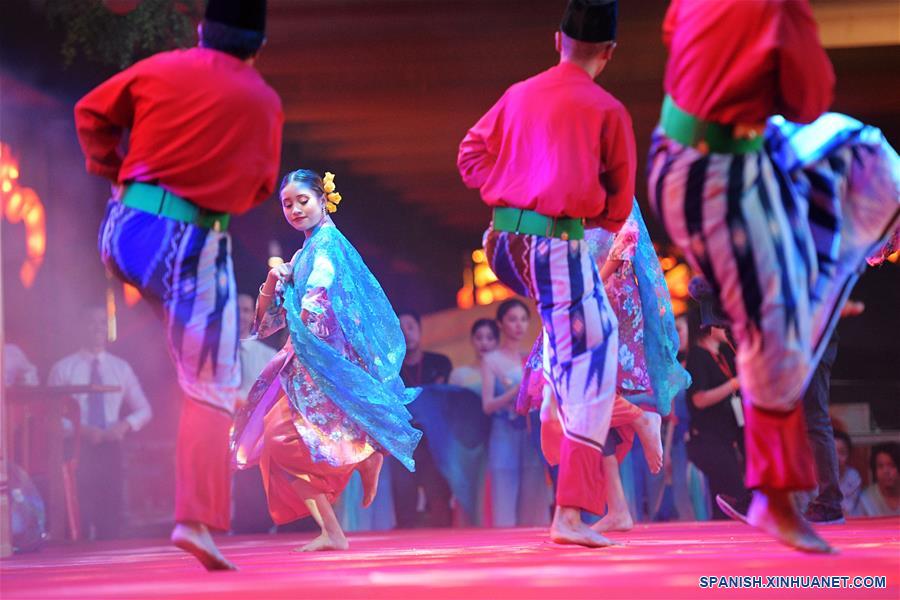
(655, 561)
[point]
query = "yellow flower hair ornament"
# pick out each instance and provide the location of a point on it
(331, 196)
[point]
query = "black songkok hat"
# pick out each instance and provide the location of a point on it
(242, 14)
(590, 20)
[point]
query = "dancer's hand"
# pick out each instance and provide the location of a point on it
(283, 272)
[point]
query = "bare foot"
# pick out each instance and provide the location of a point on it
(325, 542)
(567, 528)
(369, 470)
(774, 513)
(648, 431)
(614, 522)
(194, 538)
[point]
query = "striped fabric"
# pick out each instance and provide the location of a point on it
(782, 249)
(579, 328)
(186, 272)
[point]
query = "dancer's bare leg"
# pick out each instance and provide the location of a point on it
(773, 512)
(332, 536)
(618, 517)
(648, 429)
(194, 538)
(369, 470)
(567, 528)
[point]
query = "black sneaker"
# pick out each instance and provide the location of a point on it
(822, 515)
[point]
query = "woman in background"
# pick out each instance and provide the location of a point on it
(850, 481)
(882, 498)
(520, 495)
(484, 337)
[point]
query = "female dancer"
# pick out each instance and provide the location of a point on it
(331, 401)
(519, 492)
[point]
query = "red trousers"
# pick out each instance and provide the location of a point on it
(779, 456)
(202, 466)
(582, 482)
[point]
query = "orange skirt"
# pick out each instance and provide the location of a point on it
(290, 475)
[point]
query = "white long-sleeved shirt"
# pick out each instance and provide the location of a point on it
(75, 369)
(255, 355)
(17, 369)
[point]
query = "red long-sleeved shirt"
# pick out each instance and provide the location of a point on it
(203, 124)
(741, 61)
(558, 144)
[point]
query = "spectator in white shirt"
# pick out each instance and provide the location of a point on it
(17, 369)
(251, 513)
(104, 424)
(255, 355)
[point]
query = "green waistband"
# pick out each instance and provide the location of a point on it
(529, 222)
(706, 136)
(159, 201)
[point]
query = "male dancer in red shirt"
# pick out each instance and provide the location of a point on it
(554, 155)
(781, 262)
(204, 143)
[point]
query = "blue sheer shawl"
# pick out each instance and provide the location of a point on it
(667, 376)
(370, 392)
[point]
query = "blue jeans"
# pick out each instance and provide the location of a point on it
(820, 432)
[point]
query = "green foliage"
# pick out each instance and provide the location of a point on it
(96, 34)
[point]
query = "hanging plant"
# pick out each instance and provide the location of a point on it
(120, 32)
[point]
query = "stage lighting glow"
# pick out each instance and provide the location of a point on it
(112, 332)
(480, 283)
(464, 298)
(481, 286)
(23, 204)
(131, 294)
(13, 214)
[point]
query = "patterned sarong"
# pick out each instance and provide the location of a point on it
(580, 331)
(186, 273)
